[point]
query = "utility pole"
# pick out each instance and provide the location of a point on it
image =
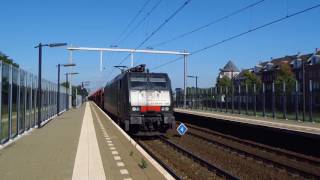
(185, 81)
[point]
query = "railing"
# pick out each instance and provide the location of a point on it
(18, 107)
(266, 100)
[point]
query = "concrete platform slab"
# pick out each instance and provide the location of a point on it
(46, 153)
(289, 125)
(121, 159)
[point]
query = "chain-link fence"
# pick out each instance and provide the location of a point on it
(275, 100)
(18, 107)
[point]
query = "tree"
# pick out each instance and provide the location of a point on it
(225, 81)
(7, 60)
(251, 78)
(80, 90)
(285, 75)
(65, 84)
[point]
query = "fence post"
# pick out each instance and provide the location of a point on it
(226, 99)
(247, 98)
(254, 100)
(284, 102)
(297, 101)
(263, 100)
(232, 99)
(211, 98)
(273, 101)
(310, 101)
(220, 98)
(239, 99)
(216, 99)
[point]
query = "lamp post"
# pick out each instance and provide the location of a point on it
(58, 95)
(67, 97)
(39, 46)
(195, 77)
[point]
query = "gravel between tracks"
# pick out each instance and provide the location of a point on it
(181, 164)
(269, 154)
(241, 166)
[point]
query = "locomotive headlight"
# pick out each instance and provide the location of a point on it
(165, 108)
(135, 108)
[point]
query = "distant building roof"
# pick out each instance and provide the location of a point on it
(286, 59)
(230, 67)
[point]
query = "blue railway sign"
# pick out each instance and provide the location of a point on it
(182, 129)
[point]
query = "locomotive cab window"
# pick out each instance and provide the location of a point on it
(158, 82)
(138, 82)
(151, 82)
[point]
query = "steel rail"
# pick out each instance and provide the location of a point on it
(259, 146)
(202, 162)
(257, 157)
(164, 165)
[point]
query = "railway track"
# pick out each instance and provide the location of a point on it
(310, 170)
(173, 169)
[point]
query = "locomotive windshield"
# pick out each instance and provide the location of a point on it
(148, 83)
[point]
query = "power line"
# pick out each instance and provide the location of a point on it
(242, 34)
(208, 25)
(141, 21)
(164, 23)
(134, 19)
(157, 29)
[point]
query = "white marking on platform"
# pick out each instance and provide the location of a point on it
(127, 179)
(139, 148)
(110, 144)
(109, 141)
(114, 152)
(124, 171)
(107, 138)
(120, 164)
(117, 158)
(112, 148)
(88, 163)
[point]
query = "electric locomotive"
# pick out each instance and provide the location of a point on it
(140, 102)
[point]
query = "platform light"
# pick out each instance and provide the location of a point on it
(58, 94)
(39, 46)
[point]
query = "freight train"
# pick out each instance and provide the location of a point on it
(139, 101)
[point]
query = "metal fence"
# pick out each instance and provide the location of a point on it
(18, 107)
(266, 100)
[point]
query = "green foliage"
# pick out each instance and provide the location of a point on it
(80, 91)
(7, 60)
(143, 164)
(285, 75)
(251, 78)
(225, 81)
(131, 153)
(65, 84)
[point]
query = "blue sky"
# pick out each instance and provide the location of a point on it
(99, 23)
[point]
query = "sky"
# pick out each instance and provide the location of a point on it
(102, 23)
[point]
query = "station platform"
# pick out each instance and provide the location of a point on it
(306, 128)
(81, 143)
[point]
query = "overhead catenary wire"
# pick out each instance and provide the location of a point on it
(215, 21)
(135, 28)
(180, 8)
(242, 34)
(164, 22)
(133, 19)
(142, 20)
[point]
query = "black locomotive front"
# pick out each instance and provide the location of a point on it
(141, 102)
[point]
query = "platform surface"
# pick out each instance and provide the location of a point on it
(290, 125)
(79, 144)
